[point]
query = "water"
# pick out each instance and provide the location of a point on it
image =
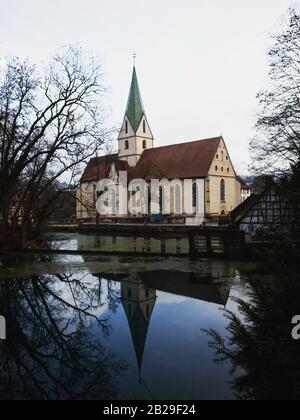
(115, 327)
(139, 244)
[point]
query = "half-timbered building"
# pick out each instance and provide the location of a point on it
(268, 212)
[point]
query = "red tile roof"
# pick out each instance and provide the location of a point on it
(99, 168)
(186, 160)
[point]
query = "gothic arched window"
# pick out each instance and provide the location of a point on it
(149, 198)
(126, 144)
(195, 191)
(223, 191)
(161, 199)
(144, 126)
(144, 144)
(126, 127)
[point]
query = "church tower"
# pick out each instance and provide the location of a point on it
(135, 134)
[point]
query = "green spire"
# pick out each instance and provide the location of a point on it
(135, 109)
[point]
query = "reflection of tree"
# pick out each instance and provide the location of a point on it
(53, 350)
(261, 344)
(113, 296)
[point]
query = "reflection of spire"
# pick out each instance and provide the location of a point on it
(138, 302)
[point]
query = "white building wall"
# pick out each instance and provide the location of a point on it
(135, 141)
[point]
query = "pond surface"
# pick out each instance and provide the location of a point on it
(117, 243)
(115, 327)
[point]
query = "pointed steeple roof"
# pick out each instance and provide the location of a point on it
(135, 109)
(138, 308)
(139, 325)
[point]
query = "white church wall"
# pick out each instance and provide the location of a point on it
(134, 141)
(130, 132)
(140, 131)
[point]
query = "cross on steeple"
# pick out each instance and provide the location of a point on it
(134, 59)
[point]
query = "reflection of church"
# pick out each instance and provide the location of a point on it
(138, 291)
(138, 302)
(138, 296)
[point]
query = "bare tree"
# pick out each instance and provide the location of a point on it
(51, 123)
(55, 347)
(276, 147)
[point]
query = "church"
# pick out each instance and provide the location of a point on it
(206, 161)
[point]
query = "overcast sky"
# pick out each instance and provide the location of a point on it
(200, 63)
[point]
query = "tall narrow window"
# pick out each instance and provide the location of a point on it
(223, 191)
(161, 199)
(144, 144)
(144, 126)
(222, 155)
(149, 198)
(126, 144)
(195, 192)
(126, 127)
(94, 195)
